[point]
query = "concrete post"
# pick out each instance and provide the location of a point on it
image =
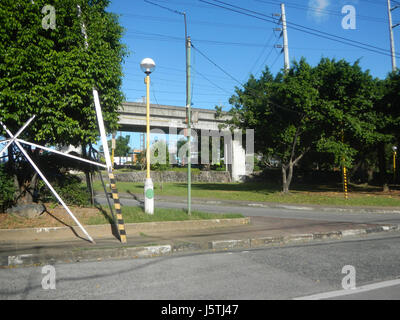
(238, 157)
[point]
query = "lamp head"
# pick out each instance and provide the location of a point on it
(394, 148)
(147, 65)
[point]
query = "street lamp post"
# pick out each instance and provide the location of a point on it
(394, 148)
(147, 65)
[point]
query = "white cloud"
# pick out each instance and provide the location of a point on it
(317, 8)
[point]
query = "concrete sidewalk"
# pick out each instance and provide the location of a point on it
(256, 232)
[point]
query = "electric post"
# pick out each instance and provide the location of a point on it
(188, 118)
(188, 102)
(113, 146)
(285, 39)
(285, 47)
(391, 27)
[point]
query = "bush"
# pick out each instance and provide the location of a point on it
(69, 188)
(7, 189)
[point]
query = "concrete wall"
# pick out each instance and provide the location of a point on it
(172, 176)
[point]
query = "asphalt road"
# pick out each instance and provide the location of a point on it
(270, 273)
(300, 213)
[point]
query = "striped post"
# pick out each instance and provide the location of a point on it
(117, 205)
(346, 196)
(345, 182)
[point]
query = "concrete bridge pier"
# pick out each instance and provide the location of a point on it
(235, 158)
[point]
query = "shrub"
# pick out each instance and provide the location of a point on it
(69, 188)
(7, 189)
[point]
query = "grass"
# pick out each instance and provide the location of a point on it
(359, 195)
(137, 215)
(58, 217)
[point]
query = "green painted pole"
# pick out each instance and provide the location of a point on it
(188, 109)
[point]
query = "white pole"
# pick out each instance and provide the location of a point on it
(54, 191)
(392, 48)
(16, 135)
(102, 130)
(285, 39)
(49, 185)
(62, 153)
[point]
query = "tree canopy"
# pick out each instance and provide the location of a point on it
(50, 73)
(330, 108)
(51, 57)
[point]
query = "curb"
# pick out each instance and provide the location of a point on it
(99, 231)
(126, 252)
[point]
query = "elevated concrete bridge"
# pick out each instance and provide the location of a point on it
(172, 120)
(132, 117)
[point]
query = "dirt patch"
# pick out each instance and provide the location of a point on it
(52, 217)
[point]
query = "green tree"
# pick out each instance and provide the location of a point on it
(181, 143)
(351, 97)
(281, 110)
(122, 148)
(7, 189)
(50, 73)
(388, 110)
(308, 110)
(159, 156)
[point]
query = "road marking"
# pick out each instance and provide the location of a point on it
(338, 293)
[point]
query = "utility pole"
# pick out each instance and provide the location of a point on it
(285, 47)
(188, 118)
(391, 27)
(113, 146)
(285, 39)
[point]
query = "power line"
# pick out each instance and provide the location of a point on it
(204, 77)
(256, 94)
(374, 2)
(266, 59)
(177, 92)
(164, 37)
(166, 8)
(212, 62)
(307, 30)
(318, 10)
(158, 79)
(198, 22)
(262, 51)
(276, 59)
(175, 71)
(216, 42)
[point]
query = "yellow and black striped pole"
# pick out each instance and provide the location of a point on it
(346, 196)
(394, 166)
(345, 181)
(117, 205)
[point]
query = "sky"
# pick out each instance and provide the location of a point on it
(229, 46)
